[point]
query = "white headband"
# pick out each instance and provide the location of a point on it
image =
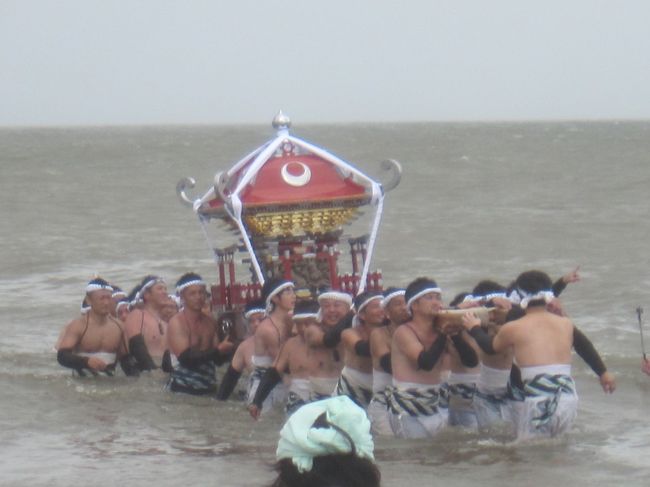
(120, 304)
(97, 287)
(391, 296)
(546, 295)
(147, 285)
(367, 302)
(117, 294)
(514, 297)
(337, 296)
(136, 301)
(195, 282)
(487, 297)
(277, 291)
(251, 312)
(428, 290)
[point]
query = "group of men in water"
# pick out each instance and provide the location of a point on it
(497, 357)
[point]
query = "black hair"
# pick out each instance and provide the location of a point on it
(419, 284)
(99, 281)
(387, 292)
(255, 304)
(363, 297)
(131, 296)
(458, 299)
(487, 287)
(270, 285)
(148, 278)
(339, 470)
(187, 277)
(533, 282)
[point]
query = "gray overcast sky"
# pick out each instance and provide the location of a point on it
(78, 62)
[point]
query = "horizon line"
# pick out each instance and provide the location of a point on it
(328, 123)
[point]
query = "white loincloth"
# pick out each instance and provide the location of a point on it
(548, 403)
(356, 385)
(299, 394)
(378, 408)
(416, 410)
(322, 387)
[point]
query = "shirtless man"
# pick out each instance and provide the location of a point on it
(491, 399)
(324, 340)
(541, 343)
(419, 362)
(271, 334)
(145, 327)
(381, 338)
(294, 359)
(193, 340)
(95, 341)
(356, 376)
(242, 361)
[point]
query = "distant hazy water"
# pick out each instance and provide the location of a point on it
(476, 201)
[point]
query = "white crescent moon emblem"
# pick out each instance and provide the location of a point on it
(292, 180)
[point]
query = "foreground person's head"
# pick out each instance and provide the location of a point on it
(327, 444)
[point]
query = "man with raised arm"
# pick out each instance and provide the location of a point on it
(145, 328)
(193, 341)
(95, 341)
(541, 342)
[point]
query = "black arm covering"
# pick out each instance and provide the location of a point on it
(483, 339)
(269, 380)
(138, 349)
(468, 356)
(228, 383)
(71, 360)
(333, 335)
(428, 358)
(386, 363)
(588, 352)
(129, 365)
(362, 348)
(558, 287)
(193, 358)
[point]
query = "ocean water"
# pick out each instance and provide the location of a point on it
(476, 201)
